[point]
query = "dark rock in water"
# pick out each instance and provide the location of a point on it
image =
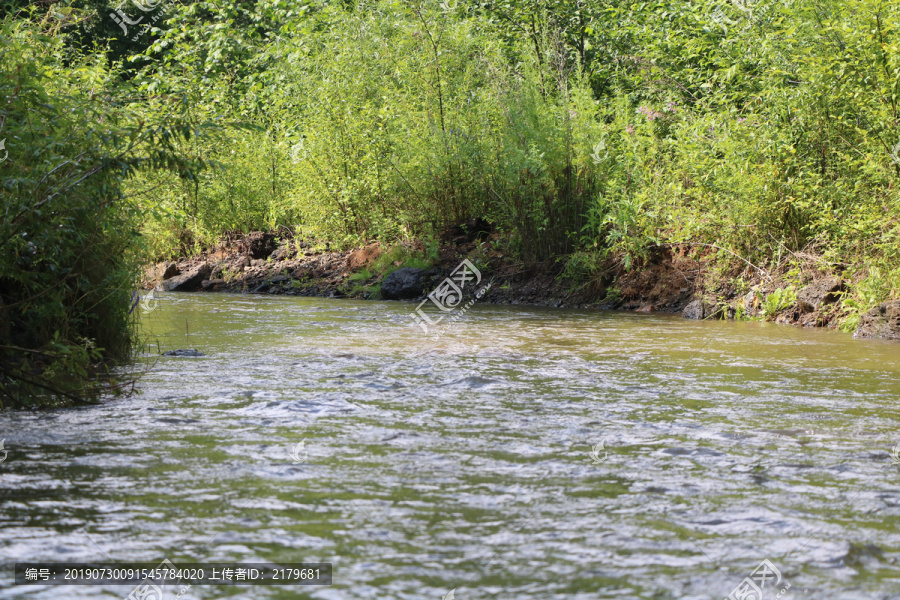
(676, 451)
(610, 303)
(403, 284)
(162, 271)
(883, 321)
(694, 310)
(698, 309)
(190, 281)
(819, 293)
(211, 284)
(170, 270)
(750, 304)
(189, 352)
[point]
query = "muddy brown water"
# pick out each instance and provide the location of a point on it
(525, 454)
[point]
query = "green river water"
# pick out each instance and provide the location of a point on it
(525, 454)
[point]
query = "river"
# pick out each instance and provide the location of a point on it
(525, 454)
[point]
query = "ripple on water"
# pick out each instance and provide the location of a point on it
(466, 462)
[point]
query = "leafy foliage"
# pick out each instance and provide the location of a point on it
(750, 125)
(70, 245)
(574, 126)
(779, 300)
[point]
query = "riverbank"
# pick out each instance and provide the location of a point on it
(674, 279)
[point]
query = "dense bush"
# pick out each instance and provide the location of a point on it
(70, 239)
(761, 127)
(385, 121)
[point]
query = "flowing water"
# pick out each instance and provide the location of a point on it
(525, 454)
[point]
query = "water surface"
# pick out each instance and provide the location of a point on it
(466, 462)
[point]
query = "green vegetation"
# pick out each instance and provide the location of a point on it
(779, 300)
(758, 133)
(366, 281)
(70, 241)
(579, 129)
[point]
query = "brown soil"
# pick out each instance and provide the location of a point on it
(665, 284)
(667, 281)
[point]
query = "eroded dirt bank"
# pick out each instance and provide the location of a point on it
(671, 280)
